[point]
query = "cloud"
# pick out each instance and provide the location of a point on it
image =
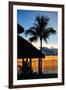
(49, 45)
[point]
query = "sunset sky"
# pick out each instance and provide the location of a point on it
(26, 18)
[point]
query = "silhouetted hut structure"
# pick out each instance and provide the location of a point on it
(20, 29)
(26, 50)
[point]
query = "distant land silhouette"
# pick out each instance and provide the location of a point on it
(49, 51)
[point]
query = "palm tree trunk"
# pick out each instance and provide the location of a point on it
(41, 44)
(40, 59)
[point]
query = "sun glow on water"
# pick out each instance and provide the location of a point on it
(49, 64)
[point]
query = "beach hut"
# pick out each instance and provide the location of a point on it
(27, 50)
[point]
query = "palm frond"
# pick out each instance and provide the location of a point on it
(38, 20)
(44, 21)
(37, 29)
(36, 26)
(30, 32)
(50, 31)
(47, 32)
(44, 37)
(33, 39)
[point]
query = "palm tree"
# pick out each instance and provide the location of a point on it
(40, 30)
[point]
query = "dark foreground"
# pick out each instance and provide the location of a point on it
(35, 76)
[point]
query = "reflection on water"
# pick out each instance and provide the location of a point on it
(49, 64)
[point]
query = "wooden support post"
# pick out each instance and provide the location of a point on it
(40, 66)
(30, 63)
(22, 61)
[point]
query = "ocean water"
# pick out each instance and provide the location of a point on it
(49, 64)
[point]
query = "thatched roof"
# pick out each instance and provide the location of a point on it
(26, 49)
(20, 29)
